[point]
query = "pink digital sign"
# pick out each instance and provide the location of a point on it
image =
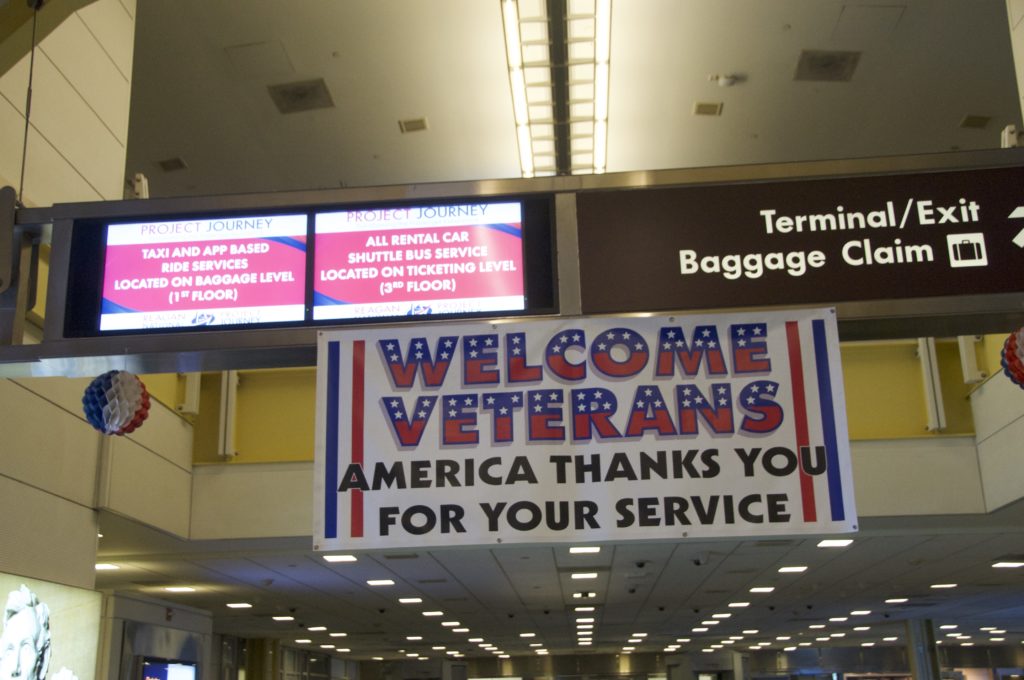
(439, 259)
(204, 272)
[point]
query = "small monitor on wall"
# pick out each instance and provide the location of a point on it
(164, 669)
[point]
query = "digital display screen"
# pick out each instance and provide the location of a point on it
(167, 670)
(412, 260)
(204, 272)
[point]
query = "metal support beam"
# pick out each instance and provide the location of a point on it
(558, 35)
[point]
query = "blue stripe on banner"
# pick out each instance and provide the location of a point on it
(828, 421)
(331, 454)
(505, 229)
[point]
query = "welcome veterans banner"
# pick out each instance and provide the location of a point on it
(581, 430)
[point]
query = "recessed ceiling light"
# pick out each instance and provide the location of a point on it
(891, 638)
(634, 640)
(460, 630)
(410, 600)
(1008, 565)
(339, 558)
(584, 609)
(943, 585)
(803, 644)
(339, 634)
(380, 582)
(106, 566)
(816, 625)
(303, 642)
(410, 638)
(822, 639)
(585, 619)
(180, 589)
(867, 644)
(583, 595)
(896, 600)
(789, 649)
(860, 612)
(997, 639)
(581, 575)
(948, 626)
(762, 589)
(450, 624)
(584, 550)
(838, 619)
(283, 618)
(699, 630)
(584, 626)
(378, 658)
(837, 635)
(966, 644)
(536, 644)
(710, 622)
(530, 635)
(720, 616)
(987, 628)
(239, 605)
(316, 629)
(862, 628)
(751, 631)
(782, 638)
(792, 570)
(835, 542)
(733, 637)
(684, 640)
(628, 649)
(433, 613)
(739, 604)
(326, 646)
(997, 631)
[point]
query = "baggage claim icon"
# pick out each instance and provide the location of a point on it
(116, 402)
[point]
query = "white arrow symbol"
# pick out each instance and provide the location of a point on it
(1018, 213)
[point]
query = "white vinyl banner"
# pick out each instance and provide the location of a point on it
(581, 430)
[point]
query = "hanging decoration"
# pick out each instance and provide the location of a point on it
(1012, 357)
(116, 402)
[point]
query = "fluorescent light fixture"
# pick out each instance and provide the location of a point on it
(343, 649)
(634, 640)
(789, 649)
(762, 589)
(862, 628)
(942, 586)
(891, 638)
(339, 634)
(450, 624)
(380, 582)
(816, 626)
(582, 575)
(584, 550)
(583, 595)
(860, 612)
(699, 629)
(433, 613)
(413, 638)
(475, 640)
(999, 565)
(997, 639)
(303, 641)
(536, 644)
(822, 639)
(584, 626)
(838, 619)
(410, 600)
(896, 600)
(683, 640)
(783, 638)
(106, 566)
(948, 626)
(460, 630)
(584, 609)
(326, 646)
(239, 605)
(751, 631)
(378, 658)
(316, 629)
(803, 644)
(530, 635)
(835, 542)
(180, 589)
(339, 558)
(710, 622)
(639, 635)
(628, 649)
(283, 618)
(721, 616)
(838, 635)
(867, 644)
(792, 570)
(585, 619)
(739, 604)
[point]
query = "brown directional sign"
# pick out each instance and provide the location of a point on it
(803, 241)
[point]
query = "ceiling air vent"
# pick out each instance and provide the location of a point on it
(412, 125)
(304, 95)
(172, 164)
(820, 66)
(975, 122)
(707, 109)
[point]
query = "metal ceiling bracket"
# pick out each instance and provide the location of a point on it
(19, 262)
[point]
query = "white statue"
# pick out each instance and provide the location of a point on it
(25, 641)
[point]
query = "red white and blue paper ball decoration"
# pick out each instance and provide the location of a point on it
(1012, 358)
(116, 402)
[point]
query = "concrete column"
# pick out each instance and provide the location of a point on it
(921, 650)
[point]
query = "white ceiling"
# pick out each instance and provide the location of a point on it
(201, 73)
(202, 68)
